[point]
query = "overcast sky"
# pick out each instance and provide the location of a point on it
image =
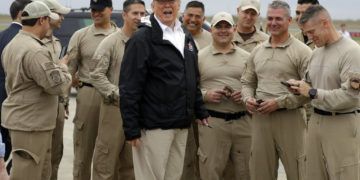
(347, 9)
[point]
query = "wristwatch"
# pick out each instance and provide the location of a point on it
(312, 93)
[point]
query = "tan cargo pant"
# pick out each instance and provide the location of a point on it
(57, 145)
(280, 134)
(333, 147)
(226, 140)
(160, 155)
(31, 153)
(86, 123)
(112, 155)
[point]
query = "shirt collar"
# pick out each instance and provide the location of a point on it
(97, 31)
(31, 35)
(283, 45)
(216, 52)
(14, 22)
(164, 27)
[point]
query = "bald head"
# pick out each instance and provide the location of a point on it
(315, 12)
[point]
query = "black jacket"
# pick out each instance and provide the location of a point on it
(159, 88)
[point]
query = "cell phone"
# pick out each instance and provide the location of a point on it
(285, 83)
(228, 91)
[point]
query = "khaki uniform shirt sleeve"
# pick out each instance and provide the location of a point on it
(98, 76)
(342, 98)
(249, 78)
(73, 52)
(54, 78)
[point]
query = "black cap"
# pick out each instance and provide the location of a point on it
(100, 4)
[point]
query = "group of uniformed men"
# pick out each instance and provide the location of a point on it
(247, 89)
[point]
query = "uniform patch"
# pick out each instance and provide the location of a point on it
(55, 76)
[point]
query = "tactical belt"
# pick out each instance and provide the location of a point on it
(227, 116)
(327, 113)
(82, 84)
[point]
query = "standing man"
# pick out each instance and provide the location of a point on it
(247, 36)
(159, 93)
(344, 32)
(221, 65)
(193, 20)
(301, 7)
(33, 83)
(6, 36)
(81, 49)
(278, 121)
(54, 45)
(112, 156)
(333, 145)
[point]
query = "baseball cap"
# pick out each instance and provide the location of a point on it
(55, 6)
(250, 4)
(38, 9)
(100, 4)
(222, 16)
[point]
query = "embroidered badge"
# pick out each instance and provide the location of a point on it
(55, 76)
(190, 46)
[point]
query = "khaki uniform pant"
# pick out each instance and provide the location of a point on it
(226, 140)
(333, 147)
(57, 145)
(160, 155)
(31, 155)
(281, 134)
(85, 131)
(112, 155)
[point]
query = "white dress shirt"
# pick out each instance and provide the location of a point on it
(175, 35)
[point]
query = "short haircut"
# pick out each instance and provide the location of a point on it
(311, 12)
(195, 4)
(308, 2)
(28, 22)
(277, 4)
(127, 3)
(17, 6)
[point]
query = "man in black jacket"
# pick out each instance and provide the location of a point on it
(159, 93)
(5, 37)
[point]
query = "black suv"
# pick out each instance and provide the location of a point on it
(79, 18)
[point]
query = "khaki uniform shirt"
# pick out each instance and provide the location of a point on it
(81, 49)
(268, 66)
(109, 55)
(218, 70)
(328, 72)
(300, 37)
(203, 39)
(248, 45)
(54, 45)
(33, 82)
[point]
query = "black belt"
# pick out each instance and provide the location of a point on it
(82, 84)
(327, 113)
(227, 116)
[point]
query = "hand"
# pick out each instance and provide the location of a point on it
(214, 95)
(302, 88)
(75, 81)
(204, 122)
(135, 142)
(268, 106)
(251, 105)
(64, 60)
(237, 97)
(3, 173)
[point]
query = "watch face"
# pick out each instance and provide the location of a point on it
(312, 93)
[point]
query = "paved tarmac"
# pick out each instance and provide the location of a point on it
(66, 165)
